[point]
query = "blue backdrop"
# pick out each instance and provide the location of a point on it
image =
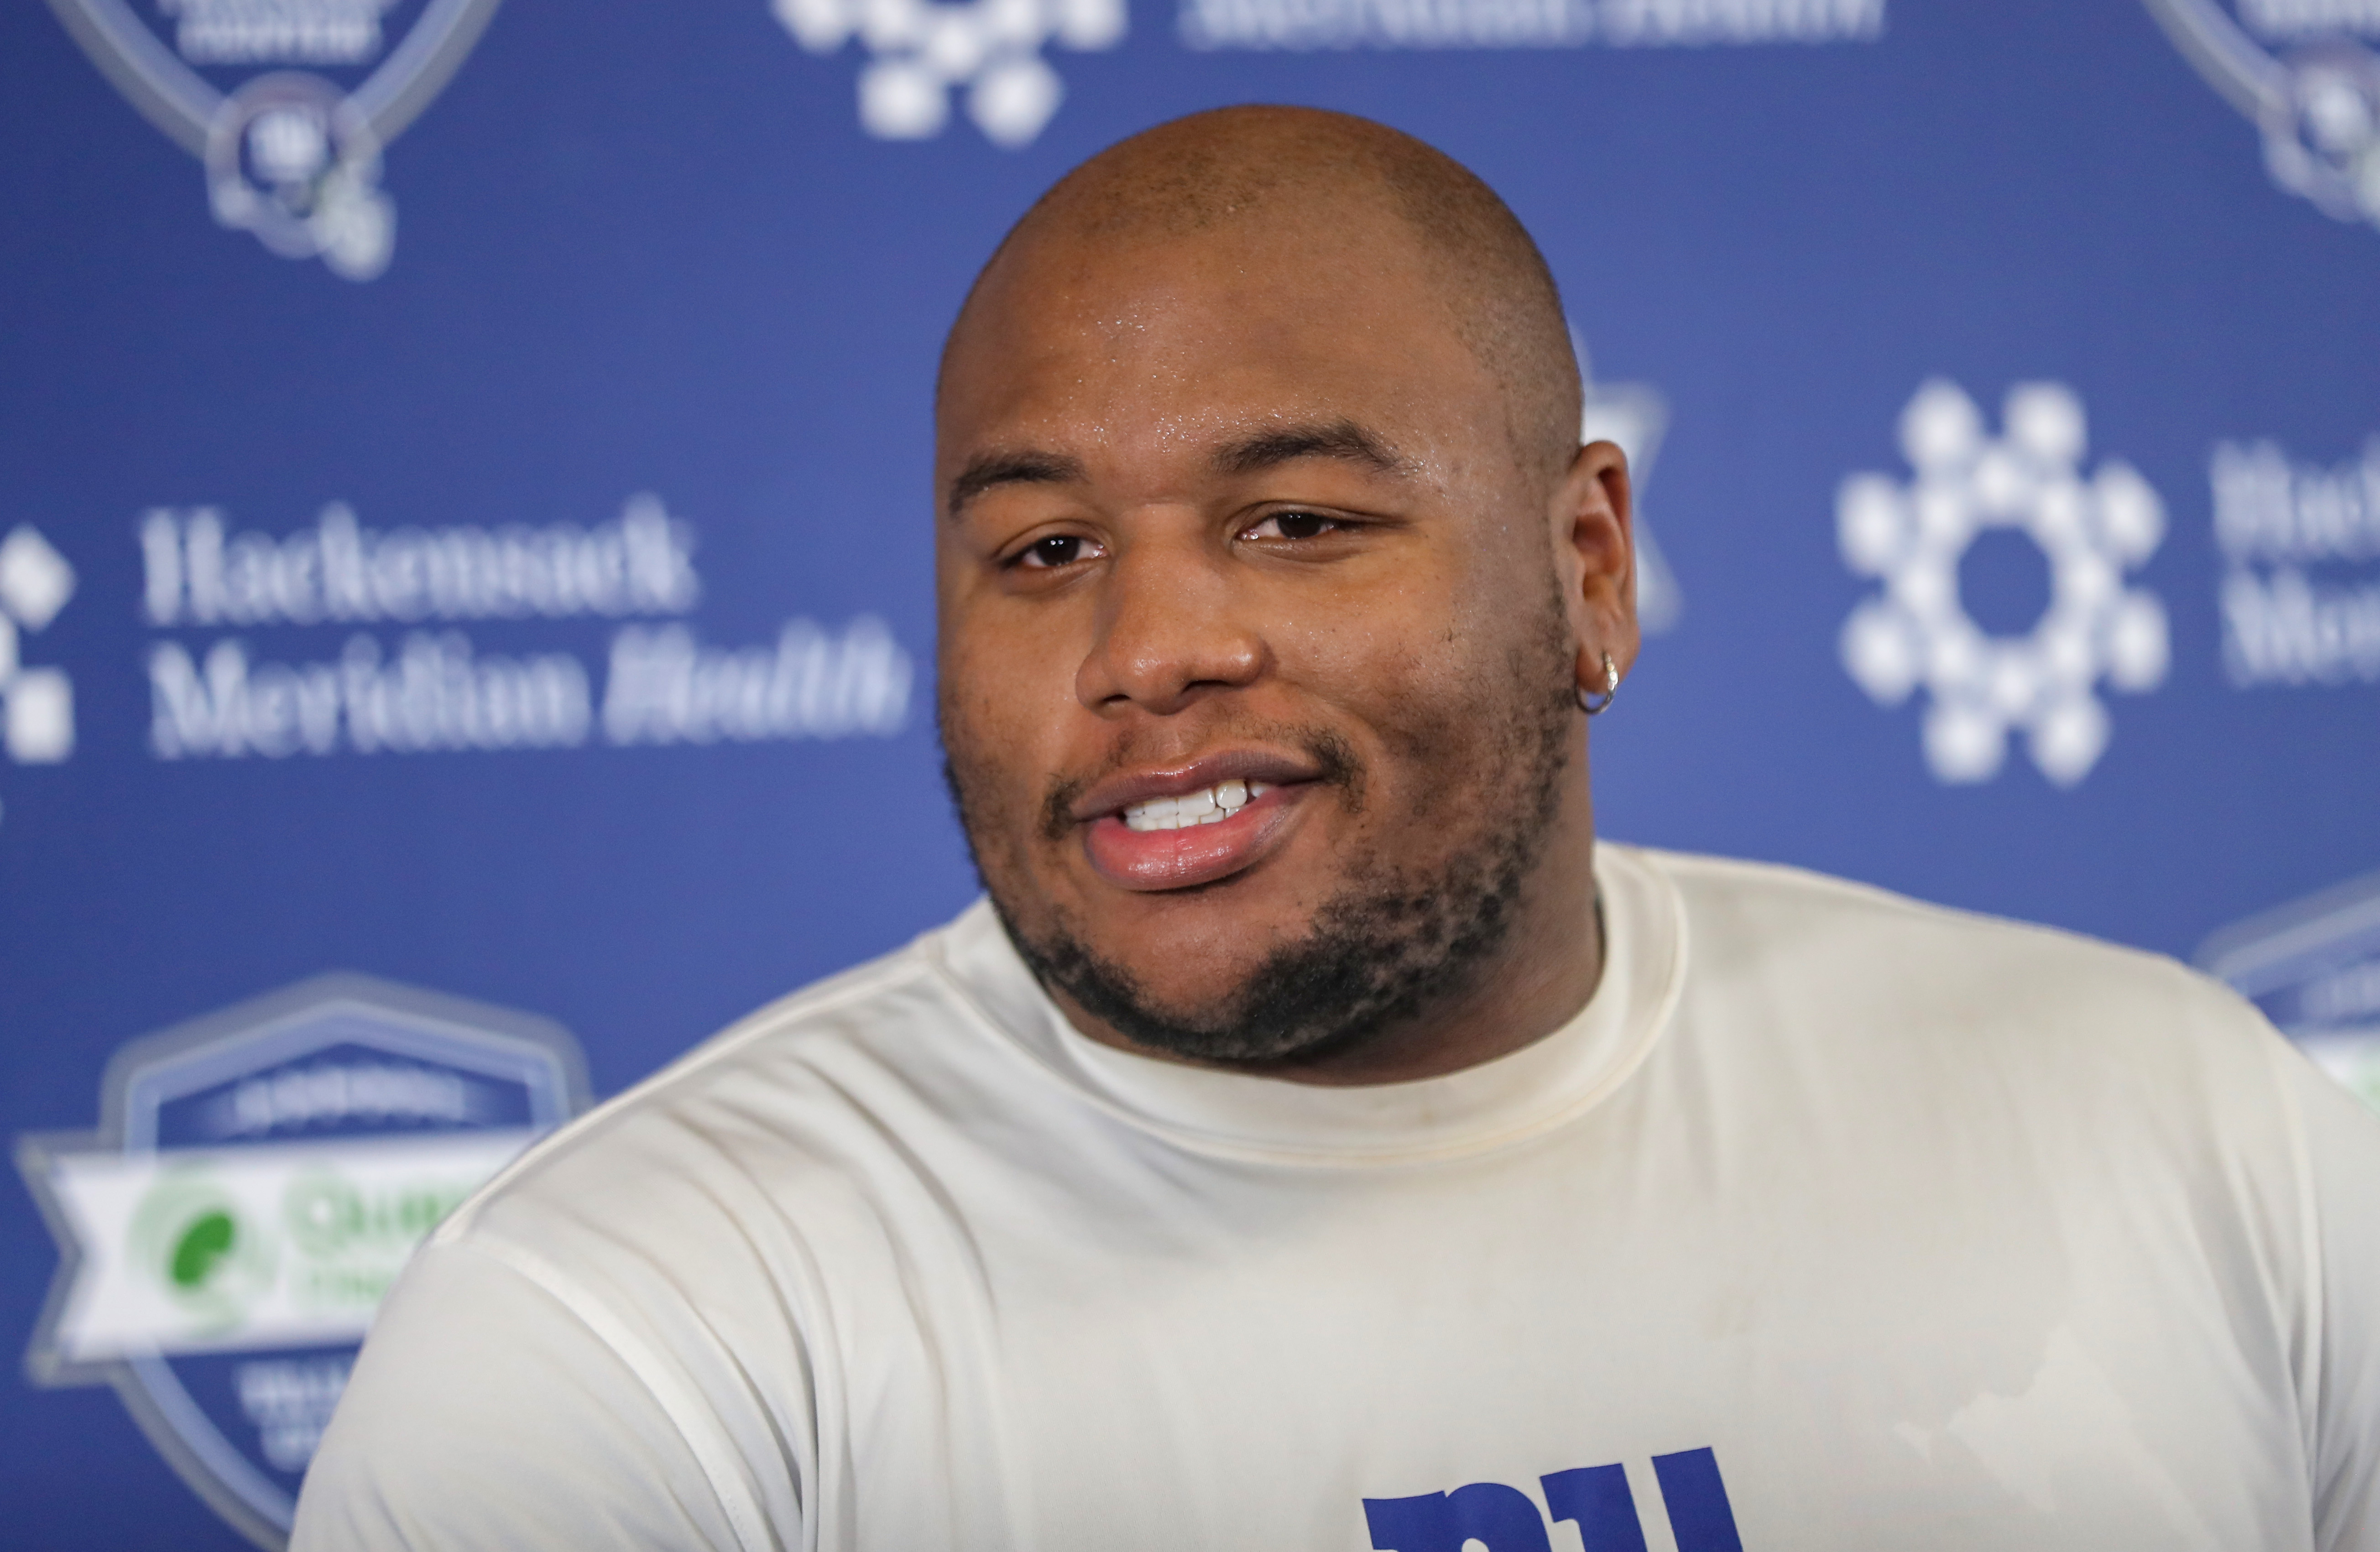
(465, 520)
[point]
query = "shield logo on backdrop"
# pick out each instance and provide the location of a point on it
(259, 1178)
(2305, 72)
(288, 101)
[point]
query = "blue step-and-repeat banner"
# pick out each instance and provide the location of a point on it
(465, 626)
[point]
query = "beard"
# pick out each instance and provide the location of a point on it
(1390, 945)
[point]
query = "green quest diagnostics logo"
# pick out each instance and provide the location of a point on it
(260, 1179)
(188, 1232)
(301, 1238)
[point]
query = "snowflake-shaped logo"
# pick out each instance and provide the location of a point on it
(921, 52)
(1916, 632)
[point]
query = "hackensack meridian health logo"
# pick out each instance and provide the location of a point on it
(288, 101)
(920, 53)
(259, 1179)
(1917, 632)
(37, 724)
(2304, 72)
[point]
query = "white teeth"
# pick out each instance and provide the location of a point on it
(1208, 806)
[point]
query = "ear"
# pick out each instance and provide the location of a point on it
(1595, 558)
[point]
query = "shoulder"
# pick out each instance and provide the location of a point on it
(764, 1135)
(1753, 910)
(1861, 958)
(1997, 1060)
(637, 1316)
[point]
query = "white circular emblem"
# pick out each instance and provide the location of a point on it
(1917, 632)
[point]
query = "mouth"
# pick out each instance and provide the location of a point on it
(1154, 830)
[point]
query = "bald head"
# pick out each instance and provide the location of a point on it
(1325, 179)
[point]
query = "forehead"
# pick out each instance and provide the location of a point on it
(1176, 338)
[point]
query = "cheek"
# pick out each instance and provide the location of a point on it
(1016, 704)
(1439, 680)
(1004, 707)
(1405, 662)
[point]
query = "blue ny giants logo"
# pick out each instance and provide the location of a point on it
(1595, 1498)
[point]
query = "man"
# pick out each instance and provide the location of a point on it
(1317, 1141)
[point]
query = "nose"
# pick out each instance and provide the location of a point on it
(1169, 630)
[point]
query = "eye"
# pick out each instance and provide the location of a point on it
(1293, 525)
(1048, 554)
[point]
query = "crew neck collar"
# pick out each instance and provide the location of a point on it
(1497, 1103)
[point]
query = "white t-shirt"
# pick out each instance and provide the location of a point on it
(1833, 1222)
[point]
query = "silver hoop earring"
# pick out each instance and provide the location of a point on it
(1596, 705)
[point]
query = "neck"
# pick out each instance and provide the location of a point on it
(1538, 979)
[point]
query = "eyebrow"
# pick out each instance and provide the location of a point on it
(990, 470)
(1343, 440)
(1253, 454)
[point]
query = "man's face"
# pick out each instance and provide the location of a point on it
(1255, 656)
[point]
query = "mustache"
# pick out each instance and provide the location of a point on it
(1335, 760)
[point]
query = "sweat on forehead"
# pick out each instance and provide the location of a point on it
(1282, 167)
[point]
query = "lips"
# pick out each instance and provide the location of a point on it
(1173, 828)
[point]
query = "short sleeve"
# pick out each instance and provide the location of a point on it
(484, 1412)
